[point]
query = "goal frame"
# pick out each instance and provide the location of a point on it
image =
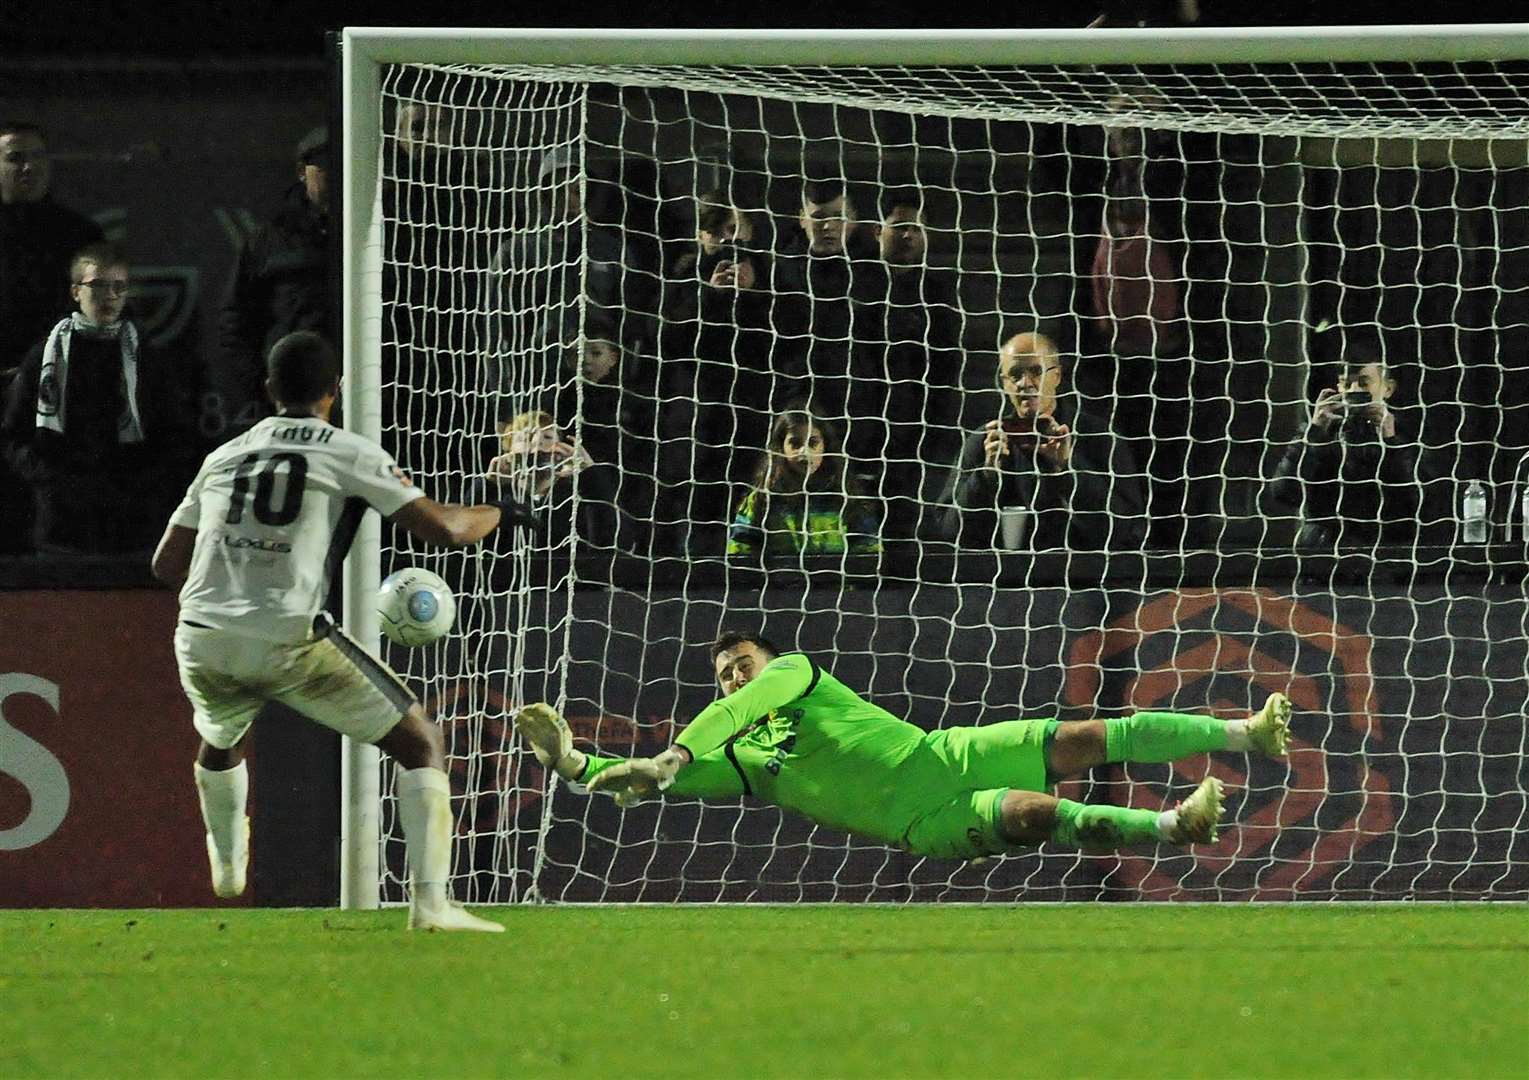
(363, 51)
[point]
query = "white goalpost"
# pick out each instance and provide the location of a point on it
(613, 240)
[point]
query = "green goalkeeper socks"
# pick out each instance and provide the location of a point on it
(1093, 827)
(1162, 736)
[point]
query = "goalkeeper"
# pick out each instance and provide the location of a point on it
(787, 732)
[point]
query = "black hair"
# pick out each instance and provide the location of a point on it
(600, 325)
(731, 639)
(892, 198)
(302, 368)
(713, 211)
(823, 191)
(800, 418)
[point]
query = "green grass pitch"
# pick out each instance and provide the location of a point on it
(815, 991)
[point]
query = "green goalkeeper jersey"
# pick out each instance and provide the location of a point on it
(797, 737)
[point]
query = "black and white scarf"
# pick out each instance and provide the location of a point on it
(51, 386)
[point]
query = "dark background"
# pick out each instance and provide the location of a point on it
(195, 28)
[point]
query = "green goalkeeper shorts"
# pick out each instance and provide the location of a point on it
(966, 773)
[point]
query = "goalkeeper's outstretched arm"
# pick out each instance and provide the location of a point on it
(709, 777)
(779, 683)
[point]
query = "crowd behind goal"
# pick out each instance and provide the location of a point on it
(735, 358)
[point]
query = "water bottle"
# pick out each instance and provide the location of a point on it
(1523, 513)
(1473, 514)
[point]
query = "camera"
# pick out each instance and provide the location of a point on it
(1021, 432)
(1354, 400)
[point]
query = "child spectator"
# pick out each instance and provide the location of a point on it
(93, 419)
(802, 501)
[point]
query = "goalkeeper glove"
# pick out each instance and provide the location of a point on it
(635, 779)
(551, 740)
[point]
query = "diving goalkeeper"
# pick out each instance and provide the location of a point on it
(787, 732)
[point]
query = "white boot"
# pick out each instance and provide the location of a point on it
(1194, 820)
(449, 916)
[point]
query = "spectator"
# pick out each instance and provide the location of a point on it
(905, 394)
(94, 421)
(818, 277)
(1353, 481)
(803, 501)
(611, 393)
(1047, 456)
(579, 255)
(1137, 282)
(538, 467)
(1139, 330)
(726, 366)
(441, 231)
(722, 222)
(280, 283)
(38, 237)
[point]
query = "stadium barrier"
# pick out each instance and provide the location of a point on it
(97, 805)
(97, 808)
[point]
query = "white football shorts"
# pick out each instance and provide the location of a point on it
(330, 679)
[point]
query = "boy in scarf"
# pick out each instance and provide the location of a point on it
(90, 421)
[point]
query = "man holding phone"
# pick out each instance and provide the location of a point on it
(1354, 483)
(1076, 484)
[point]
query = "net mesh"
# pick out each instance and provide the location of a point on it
(603, 287)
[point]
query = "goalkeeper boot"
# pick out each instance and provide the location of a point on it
(230, 874)
(1269, 728)
(551, 740)
(449, 916)
(1195, 818)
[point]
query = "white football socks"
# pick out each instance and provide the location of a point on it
(1167, 821)
(1237, 736)
(223, 794)
(424, 808)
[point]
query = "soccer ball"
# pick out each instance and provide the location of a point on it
(416, 607)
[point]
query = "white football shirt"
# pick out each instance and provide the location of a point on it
(274, 512)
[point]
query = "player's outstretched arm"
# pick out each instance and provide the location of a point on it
(448, 524)
(551, 740)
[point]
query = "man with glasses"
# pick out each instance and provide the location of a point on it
(91, 421)
(1043, 474)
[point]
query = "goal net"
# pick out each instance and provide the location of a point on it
(735, 335)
